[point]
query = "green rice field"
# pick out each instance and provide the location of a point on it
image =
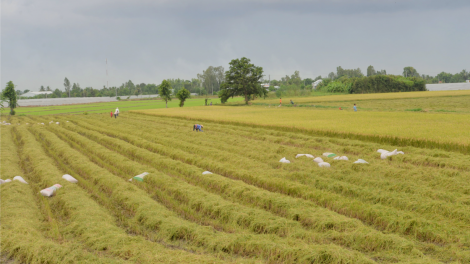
(107, 107)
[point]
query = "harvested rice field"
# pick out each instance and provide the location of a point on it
(251, 208)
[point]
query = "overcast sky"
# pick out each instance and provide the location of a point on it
(42, 42)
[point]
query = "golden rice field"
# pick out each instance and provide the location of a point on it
(411, 208)
(432, 130)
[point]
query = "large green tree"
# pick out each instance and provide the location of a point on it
(243, 78)
(9, 95)
(182, 95)
(164, 90)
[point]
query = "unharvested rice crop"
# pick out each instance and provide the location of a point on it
(430, 130)
(411, 208)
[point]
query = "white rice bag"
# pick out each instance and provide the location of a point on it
(69, 178)
(318, 160)
(341, 158)
(361, 161)
(20, 179)
(283, 160)
(2, 181)
(324, 164)
(206, 172)
(139, 177)
(385, 155)
(306, 155)
(48, 192)
(7, 180)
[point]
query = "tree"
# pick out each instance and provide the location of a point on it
(182, 95)
(48, 88)
(243, 78)
(9, 95)
(164, 90)
(410, 72)
(138, 90)
(370, 71)
(212, 78)
(67, 86)
(42, 89)
(76, 90)
(331, 76)
(57, 93)
(295, 78)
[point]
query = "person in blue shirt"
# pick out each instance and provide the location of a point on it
(355, 108)
(198, 127)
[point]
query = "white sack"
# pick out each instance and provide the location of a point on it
(341, 158)
(206, 172)
(69, 178)
(20, 179)
(324, 164)
(283, 160)
(318, 160)
(2, 181)
(7, 180)
(139, 177)
(385, 155)
(361, 161)
(382, 150)
(306, 155)
(48, 192)
(57, 123)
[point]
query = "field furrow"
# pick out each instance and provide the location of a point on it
(445, 184)
(228, 215)
(267, 154)
(86, 221)
(376, 214)
(152, 215)
(411, 208)
(23, 221)
(451, 233)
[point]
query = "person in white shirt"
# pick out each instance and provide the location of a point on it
(116, 113)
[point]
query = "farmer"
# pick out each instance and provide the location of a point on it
(116, 113)
(280, 101)
(211, 103)
(355, 108)
(198, 127)
(111, 113)
(291, 102)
